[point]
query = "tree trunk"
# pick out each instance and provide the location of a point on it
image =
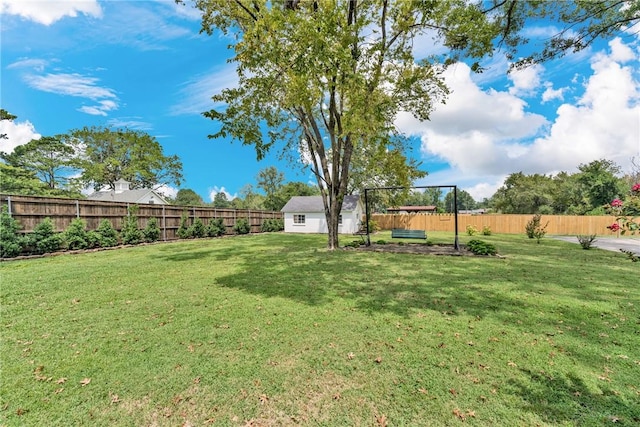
(332, 214)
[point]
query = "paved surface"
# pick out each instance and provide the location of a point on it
(609, 243)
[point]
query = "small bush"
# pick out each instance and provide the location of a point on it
(216, 227)
(75, 236)
(197, 229)
(107, 234)
(183, 228)
(632, 256)
(242, 226)
(486, 230)
(44, 239)
(94, 240)
(152, 231)
(480, 247)
(381, 242)
(471, 230)
(586, 241)
(373, 226)
(354, 244)
(131, 234)
(534, 229)
(272, 225)
(11, 243)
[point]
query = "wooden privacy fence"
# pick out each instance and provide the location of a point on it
(29, 211)
(510, 224)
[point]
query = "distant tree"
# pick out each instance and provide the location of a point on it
(14, 180)
(220, 200)
(5, 115)
(249, 199)
(270, 181)
(524, 194)
(464, 199)
(599, 182)
(49, 158)
(108, 155)
(187, 197)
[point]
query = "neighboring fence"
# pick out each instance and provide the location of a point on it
(510, 224)
(29, 211)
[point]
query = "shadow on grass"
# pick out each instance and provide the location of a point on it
(567, 399)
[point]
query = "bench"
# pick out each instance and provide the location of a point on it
(398, 233)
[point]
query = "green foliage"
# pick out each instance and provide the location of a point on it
(534, 228)
(381, 242)
(354, 244)
(586, 241)
(221, 201)
(130, 233)
(44, 239)
(486, 230)
(109, 154)
(373, 226)
(242, 226)
(631, 255)
(75, 236)
(152, 230)
(464, 200)
(11, 243)
(187, 197)
(272, 225)
(471, 230)
(183, 228)
(216, 227)
(197, 229)
(107, 234)
(480, 247)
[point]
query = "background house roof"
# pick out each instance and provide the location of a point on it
(129, 196)
(314, 204)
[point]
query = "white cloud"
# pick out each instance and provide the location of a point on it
(131, 123)
(215, 190)
(18, 133)
(525, 81)
(99, 110)
(167, 191)
(550, 93)
(195, 95)
(36, 64)
(70, 84)
(47, 12)
(485, 135)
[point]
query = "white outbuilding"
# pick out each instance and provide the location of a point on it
(305, 214)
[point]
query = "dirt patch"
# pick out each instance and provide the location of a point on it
(416, 248)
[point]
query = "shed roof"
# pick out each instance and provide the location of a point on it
(314, 204)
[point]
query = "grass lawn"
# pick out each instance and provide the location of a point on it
(275, 330)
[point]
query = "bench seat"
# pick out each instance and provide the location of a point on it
(398, 233)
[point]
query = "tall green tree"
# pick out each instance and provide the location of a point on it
(464, 199)
(107, 155)
(270, 180)
(524, 194)
(49, 158)
(599, 181)
(220, 200)
(5, 115)
(187, 197)
(329, 78)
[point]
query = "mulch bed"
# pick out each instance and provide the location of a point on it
(415, 248)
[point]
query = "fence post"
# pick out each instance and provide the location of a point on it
(77, 209)
(164, 225)
(9, 205)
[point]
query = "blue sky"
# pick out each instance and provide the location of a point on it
(66, 64)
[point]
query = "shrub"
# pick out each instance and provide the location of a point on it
(534, 228)
(272, 225)
(131, 234)
(75, 236)
(152, 231)
(471, 230)
(242, 226)
(353, 244)
(486, 230)
(11, 243)
(480, 247)
(107, 234)
(373, 226)
(197, 229)
(381, 242)
(44, 239)
(586, 241)
(216, 227)
(183, 228)
(94, 240)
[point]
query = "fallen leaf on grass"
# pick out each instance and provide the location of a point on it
(512, 364)
(458, 413)
(196, 380)
(378, 359)
(337, 396)
(381, 420)
(58, 391)
(61, 381)
(350, 356)
(115, 398)
(423, 391)
(263, 399)
(85, 381)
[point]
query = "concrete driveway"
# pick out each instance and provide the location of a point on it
(609, 243)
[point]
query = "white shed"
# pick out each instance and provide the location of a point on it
(305, 214)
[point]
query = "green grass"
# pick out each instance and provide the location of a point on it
(276, 330)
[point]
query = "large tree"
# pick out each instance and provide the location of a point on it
(329, 77)
(187, 197)
(107, 155)
(49, 158)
